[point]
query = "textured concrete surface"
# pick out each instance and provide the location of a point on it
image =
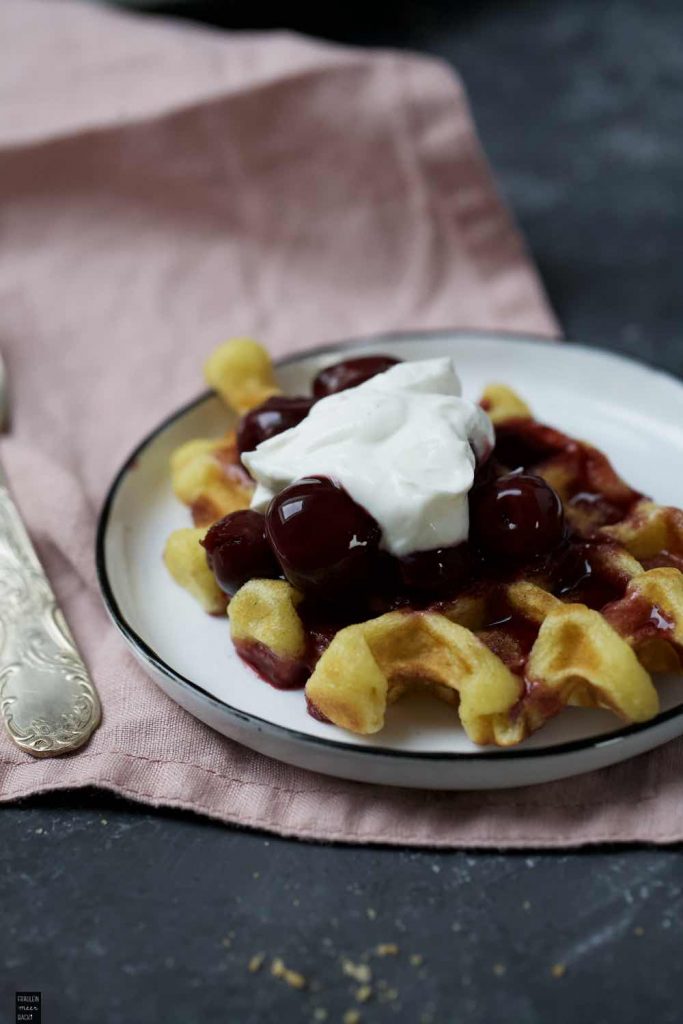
(123, 915)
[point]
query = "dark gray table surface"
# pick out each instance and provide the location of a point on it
(123, 915)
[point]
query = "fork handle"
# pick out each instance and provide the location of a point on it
(47, 700)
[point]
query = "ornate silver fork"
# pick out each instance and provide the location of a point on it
(47, 700)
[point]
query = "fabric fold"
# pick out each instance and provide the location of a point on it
(165, 187)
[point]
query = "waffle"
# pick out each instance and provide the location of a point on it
(206, 473)
(584, 628)
(185, 559)
(207, 476)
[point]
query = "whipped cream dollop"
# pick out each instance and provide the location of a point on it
(404, 445)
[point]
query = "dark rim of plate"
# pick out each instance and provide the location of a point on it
(262, 724)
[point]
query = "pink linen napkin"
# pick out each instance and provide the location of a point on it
(162, 188)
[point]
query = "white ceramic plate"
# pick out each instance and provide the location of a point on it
(626, 409)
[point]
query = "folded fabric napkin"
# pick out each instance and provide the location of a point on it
(164, 187)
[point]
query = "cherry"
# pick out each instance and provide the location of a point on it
(517, 517)
(350, 373)
(237, 550)
(437, 571)
(325, 542)
(278, 413)
(487, 469)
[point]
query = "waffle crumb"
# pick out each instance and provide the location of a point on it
(389, 995)
(499, 970)
(558, 970)
(256, 962)
(638, 930)
(351, 1017)
(416, 959)
(291, 978)
(364, 993)
(387, 949)
(359, 972)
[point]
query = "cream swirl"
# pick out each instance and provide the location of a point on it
(404, 445)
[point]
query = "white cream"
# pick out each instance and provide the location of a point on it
(404, 445)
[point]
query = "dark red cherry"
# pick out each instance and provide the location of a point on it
(237, 550)
(438, 571)
(487, 469)
(325, 542)
(517, 516)
(350, 373)
(270, 418)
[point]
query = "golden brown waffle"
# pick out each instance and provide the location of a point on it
(207, 476)
(206, 473)
(185, 559)
(507, 679)
(585, 630)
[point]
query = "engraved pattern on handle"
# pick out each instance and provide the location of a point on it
(47, 700)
